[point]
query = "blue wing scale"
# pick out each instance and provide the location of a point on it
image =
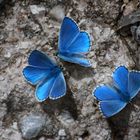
(106, 93)
(39, 59)
(81, 44)
(120, 77)
(68, 32)
(35, 74)
(59, 87)
(110, 108)
(44, 88)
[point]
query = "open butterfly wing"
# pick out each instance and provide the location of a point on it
(41, 60)
(54, 88)
(68, 32)
(35, 74)
(44, 88)
(120, 77)
(81, 44)
(110, 100)
(106, 93)
(58, 88)
(112, 107)
(134, 83)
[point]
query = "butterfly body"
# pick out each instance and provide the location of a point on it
(112, 99)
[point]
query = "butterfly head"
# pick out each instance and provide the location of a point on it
(61, 67)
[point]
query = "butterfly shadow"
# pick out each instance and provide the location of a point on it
(136, 101)
(78, 72)
(136, 107)
(66, 103)
(119, 123)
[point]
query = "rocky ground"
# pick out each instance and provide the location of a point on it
(27, 25)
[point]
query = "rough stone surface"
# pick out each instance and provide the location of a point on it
(1, 1)
(57, 12)
(28, 25)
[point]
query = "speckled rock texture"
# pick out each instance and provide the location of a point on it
(27, 25)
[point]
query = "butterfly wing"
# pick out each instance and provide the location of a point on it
(76, 58)
(35, 74)
(110, 100)
(120, 77)
(59, 87)
(69, 30)
(41, 60)
(134, 83)
(105, 92)
(54, 88)
(40, 66)
(43, 89)
(72, 41)
(110, 108)
(81, 44)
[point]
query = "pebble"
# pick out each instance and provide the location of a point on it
(58, 13)
(36, 9)
(1, 37)
(62, 132)
(66, 119)
(24, 45)
(31, 125)
(1, 78)
(7, 55)
(42, 138)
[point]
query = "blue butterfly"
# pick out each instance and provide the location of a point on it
(73, 44)
(43, 72)
(112, 99)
